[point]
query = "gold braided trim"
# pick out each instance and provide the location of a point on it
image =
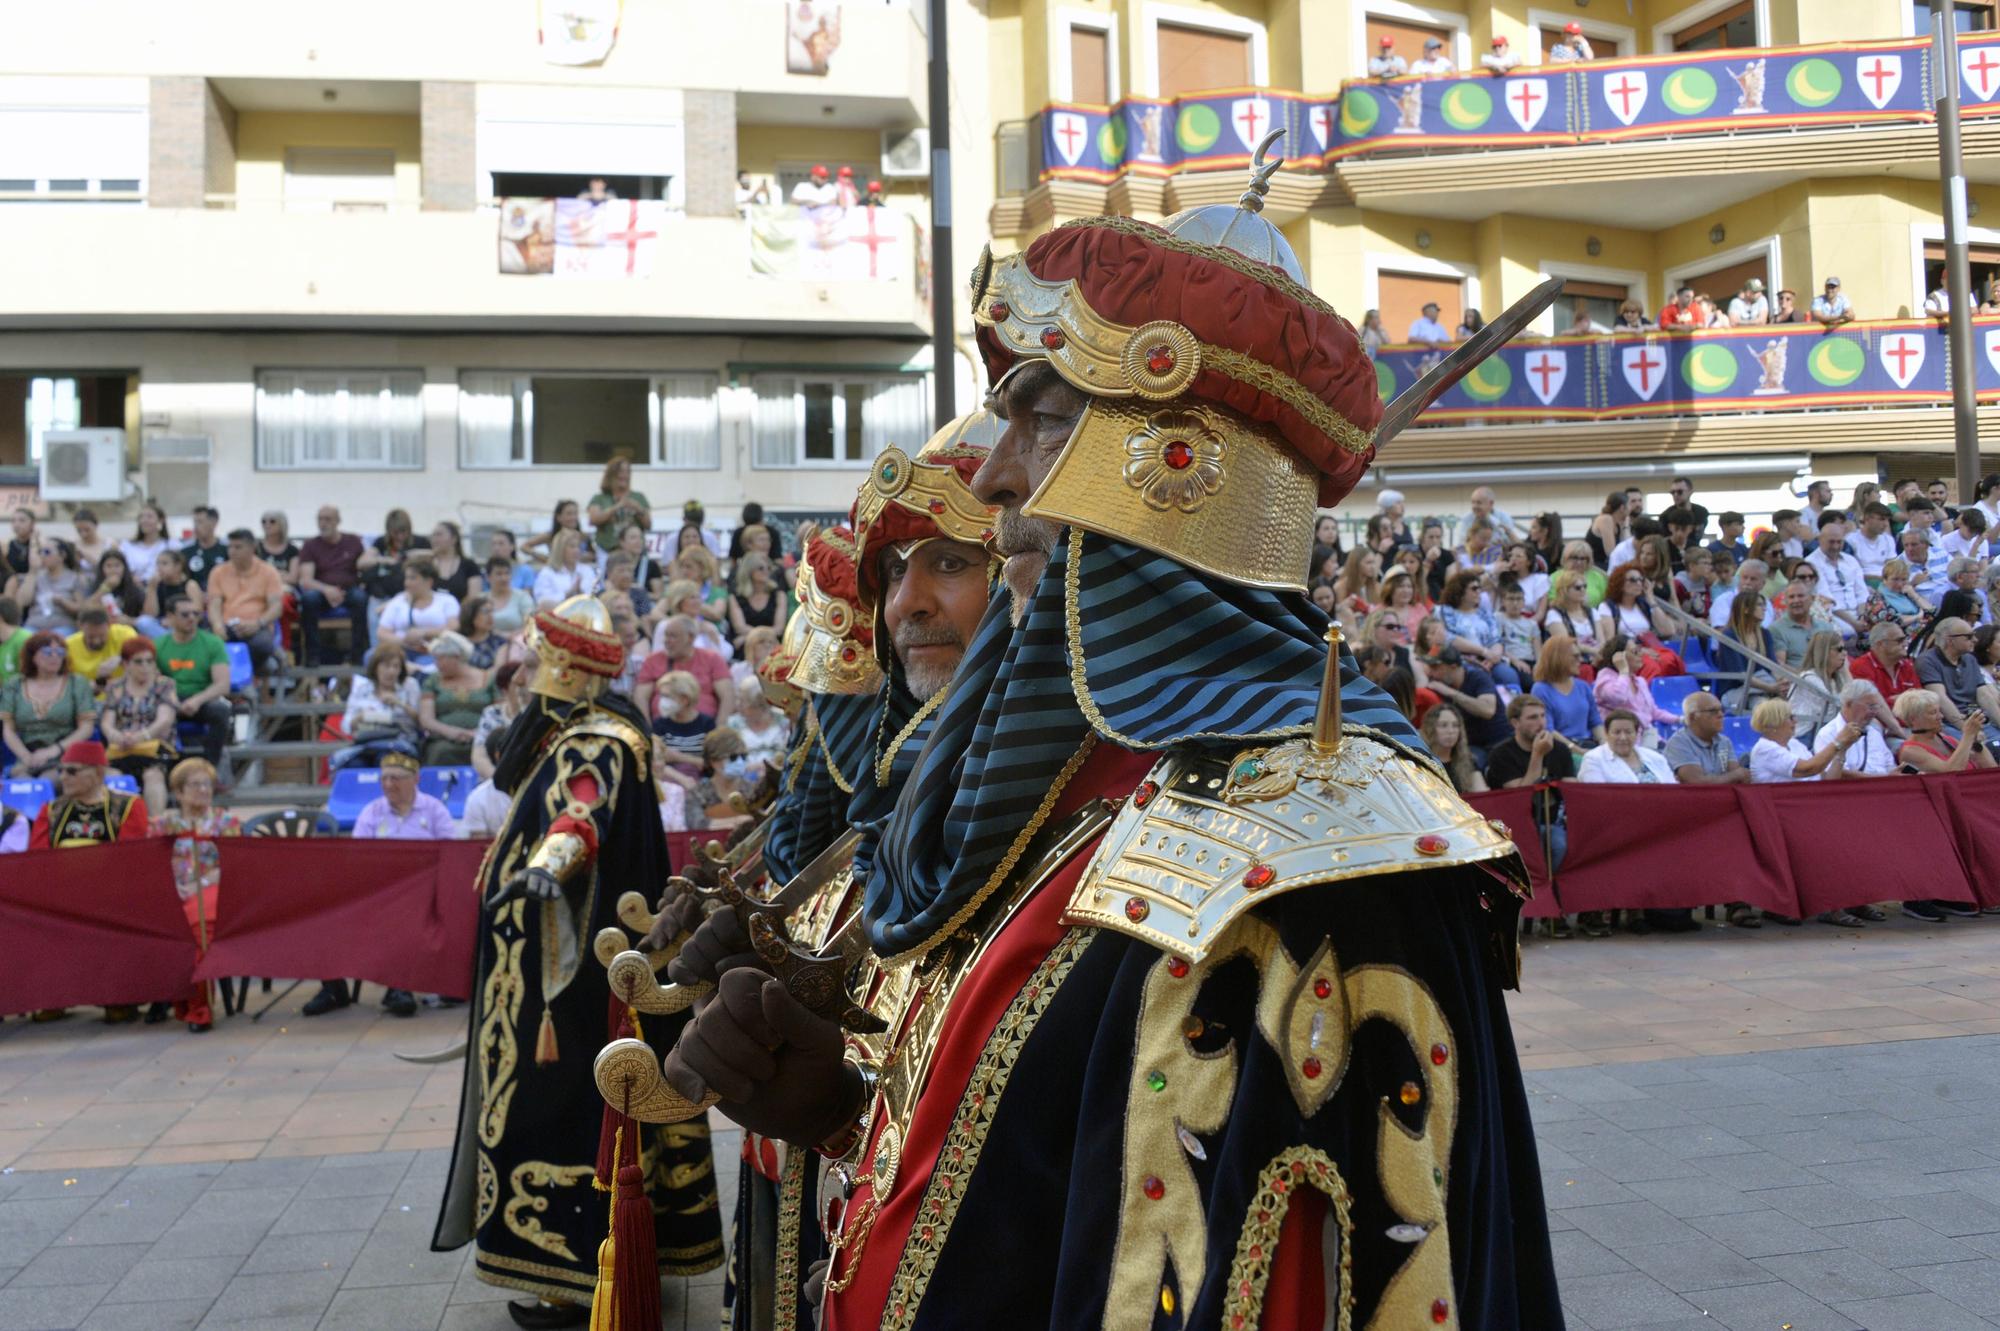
(1250, 370)
(796, 763)
(960, 1154)
(1257, 1246)
(1228, 258)
(1002, 870)
(1080, 684)
(561, 1274)
(845, 786)
(887, 761)
(791, 1201)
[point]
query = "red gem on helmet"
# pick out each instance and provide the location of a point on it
(1052, 338)
(1136, 909)
(1178, 455)
(1177, 967)
(1144, 794)
(1440, 1310)
(1155, 1189)
(937, 505)
(1430, 843)
(1259, 875)
(1159, 358)
(847, 655)
(1311, 1067)
(998, 311)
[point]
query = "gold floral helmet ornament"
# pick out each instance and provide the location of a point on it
(1228, 404)
(907, 501)
(836, 652)
(577, 654)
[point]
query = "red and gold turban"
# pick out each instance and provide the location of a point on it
(831, 645)
(906, 501)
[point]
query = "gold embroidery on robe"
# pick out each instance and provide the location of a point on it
(540, 1174)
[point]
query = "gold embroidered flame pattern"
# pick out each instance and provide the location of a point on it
(540, 1174)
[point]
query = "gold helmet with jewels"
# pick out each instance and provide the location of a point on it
(1227, 402)
(577, 654)
(907, 501)
(834, 652)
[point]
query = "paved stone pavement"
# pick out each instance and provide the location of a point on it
(1790, 1130)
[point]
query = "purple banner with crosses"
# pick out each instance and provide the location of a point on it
(1779, 367)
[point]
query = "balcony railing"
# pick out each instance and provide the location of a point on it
(1762, 368)
(1606, 101)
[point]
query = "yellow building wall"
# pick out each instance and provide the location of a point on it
(760, 149)
(263, 136)
(1806, 22)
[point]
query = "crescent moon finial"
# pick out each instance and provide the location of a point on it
(1261, 172)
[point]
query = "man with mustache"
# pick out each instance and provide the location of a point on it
(1192, 959)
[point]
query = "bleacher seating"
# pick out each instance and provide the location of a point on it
(119, 781)
(1671, 692)
(1737, 726)
(450, 784)
(353, 788)
(241, 674)
(26, 795)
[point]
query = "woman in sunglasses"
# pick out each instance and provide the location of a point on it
(48, 707)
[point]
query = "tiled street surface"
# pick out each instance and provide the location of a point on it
(1791, 1129)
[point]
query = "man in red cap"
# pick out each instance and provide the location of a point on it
(844, 191)
(1192, 959)
(88, 813)
(814, 191)
(1502, 59)
(1385, 63)
(1573, 47)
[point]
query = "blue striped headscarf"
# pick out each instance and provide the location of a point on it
(1167, 656)
(875, 791)
(813, 813)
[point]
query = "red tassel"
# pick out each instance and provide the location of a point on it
(607, 1132)
(545, 1042)
(636, 1268)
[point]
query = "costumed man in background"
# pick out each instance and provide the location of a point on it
(1201, 1023)
(88, 813)
(584, 826)
(924, 579)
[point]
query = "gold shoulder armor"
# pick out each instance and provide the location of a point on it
(1203, 839)
(612, 727)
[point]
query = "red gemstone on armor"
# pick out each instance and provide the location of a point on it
(1159, 358)
(1430, 843)
(937, 505)
(1153, 1187)
(1281, 1185)
(1321, 988)
(1178, 455)
(1440, 1311)
(1258, 875)
(998, 311)
(1439, 1054)
(848, 655)
(1177, 967)
(1136, 909)
(1052, 338)
(1236, 1322)
(1144, 794)
(1311, 1068)
(1256, 1252)
(1244, 1289)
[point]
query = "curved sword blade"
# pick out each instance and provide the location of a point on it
(1409, 403)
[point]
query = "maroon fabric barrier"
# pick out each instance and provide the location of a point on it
(681, 845)
(400, 913)
(1659, 847)
(1974, 819)
(92, 924)
(1851, 842)
(1514, 810)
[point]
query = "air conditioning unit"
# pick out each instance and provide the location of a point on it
(82, 465)
(906, 154)
(177, 470)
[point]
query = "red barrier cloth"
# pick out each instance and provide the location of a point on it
(400, 913)
(1970, 805)
(92, 924)
(681, 845)
(1514, 809)
(1852, 842)
(1662, 847)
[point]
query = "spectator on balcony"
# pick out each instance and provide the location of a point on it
(1385, 63)
(1444, 731)
(1573, 47)
(453, 700)
(48, 707)
(149, 538)
(1707, 313)
(1581, 324)
(1434, 63)
(206, 552)
(115, 590)
(1425, 330)
(1502, 59)
(1937, 303)
(139, 721)
(1787, 310)
(1831, 308)
(381, 564)
(616, 505)
(1621, 683)
(597, 190)
(1680, 312)
(246, 598)
(1749, 306)
(1572, 706)
(329, 580)
(53, 590)
(1373, 336)
(1632, 318)
(382, 711)
(418, 614)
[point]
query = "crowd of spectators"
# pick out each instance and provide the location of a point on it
(1857, 641)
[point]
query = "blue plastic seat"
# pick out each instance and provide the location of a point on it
(450, 784)
(1694, 653)
(1741, 736)
(241, 675)
(1671, 692)
(353, 789)
(122, 782)
(26, 795)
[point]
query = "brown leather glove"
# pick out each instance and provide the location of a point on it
(777, 1067)
(719, 944)
(678, 915)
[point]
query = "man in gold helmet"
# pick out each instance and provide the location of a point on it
(1200, 1023)
(584, 827)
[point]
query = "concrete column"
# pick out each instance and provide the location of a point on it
(711, 152)
(191, 144)
(450, 134)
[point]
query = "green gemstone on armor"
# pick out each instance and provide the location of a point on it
(1157, 1080)
(1249, 769)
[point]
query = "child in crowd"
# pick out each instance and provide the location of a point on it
(1520, 635)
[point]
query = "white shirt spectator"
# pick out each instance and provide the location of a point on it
(553, 584)
(1938, 302)
(1501, 61)
(1870, 755)
(141, 558)
(1831, 307)
(764, 746)
(1601, 764)
(1840, 579)
(1743, 311)
(400, 616)
(485, 813)
(1430, 66)
(1770, 761)
(368, 710)
(1989, 508)
(1387, 66)
(1504, 526)
(673, 807)
(15, 839)
(1718, 610)
(1871, 552)
(1624, 552)
(1427, 330)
